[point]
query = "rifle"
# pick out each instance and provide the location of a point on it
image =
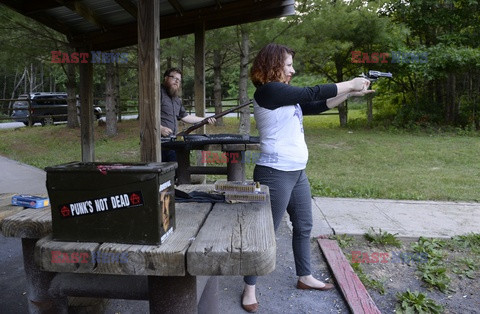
(218, 115)
(372, 76)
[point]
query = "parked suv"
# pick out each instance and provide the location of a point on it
(45, 108)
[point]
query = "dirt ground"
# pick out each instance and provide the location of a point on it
(397, 277)
(277, 292)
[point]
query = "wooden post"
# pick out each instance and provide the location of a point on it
(38, 282)
(173, 294)
(149, 79)
(86, 110)
(199, 85)
(200, 72)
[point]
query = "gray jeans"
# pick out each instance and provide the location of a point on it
(290, 191)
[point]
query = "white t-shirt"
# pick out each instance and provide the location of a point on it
(282, 143)
(278, 110)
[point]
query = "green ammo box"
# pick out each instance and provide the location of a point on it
(111, 202)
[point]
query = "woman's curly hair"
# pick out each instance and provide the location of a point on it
(268, 64)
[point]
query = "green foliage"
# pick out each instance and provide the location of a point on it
(469, 245)
(343, 240)
(346, 26)
(382, 238)
(434, 271)
(430, 246)
(416, 302)
(366, 280)
(466, 266)
(471, 240)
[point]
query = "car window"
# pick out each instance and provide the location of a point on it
(44, 100)
(61, 99)
(20, 104)
(51, 100)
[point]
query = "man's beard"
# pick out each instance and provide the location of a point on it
(172, 91)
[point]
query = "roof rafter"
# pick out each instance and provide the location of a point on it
(177, 6)
(30, 7)
(128, 6)
(84, 11)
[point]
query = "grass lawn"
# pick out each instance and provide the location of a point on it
(343, 162)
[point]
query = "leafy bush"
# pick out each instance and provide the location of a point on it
(383, 238)
(416, 302)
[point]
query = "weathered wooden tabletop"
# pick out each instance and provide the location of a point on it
(220, 239)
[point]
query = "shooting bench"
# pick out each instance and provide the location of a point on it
(230, 162)
(177, 276)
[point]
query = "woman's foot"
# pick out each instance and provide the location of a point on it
(249, 300)
(309, 282)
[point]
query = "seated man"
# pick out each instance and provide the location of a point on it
(172, 109)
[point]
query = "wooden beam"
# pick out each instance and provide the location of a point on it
(128, 6)
(84, 11)
(352, 288)
(115, 37)
(234, 13)
(149, 79)
(35, 6)
(199, 83)
(86, 110)
(177, 6)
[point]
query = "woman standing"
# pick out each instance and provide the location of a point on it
(279, 109)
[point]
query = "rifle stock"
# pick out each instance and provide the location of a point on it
(218, 115)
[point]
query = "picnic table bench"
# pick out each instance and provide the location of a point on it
(210, 240)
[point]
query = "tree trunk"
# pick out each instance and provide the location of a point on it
(169, 62)
(4, 86)
(16, 85)
(449, 103)
(117, 90)
(369, 110)
(25, 74)
(110, 100)
(436, 86)
(32, 78)
(72, 112)
(455, 103)
(244, 127)
(217, 85)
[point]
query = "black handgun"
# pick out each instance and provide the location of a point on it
(372, 76)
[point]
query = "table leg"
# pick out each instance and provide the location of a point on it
(175, 294)
(208, 303)
(183, 160)
(236, 169)
(38, 282)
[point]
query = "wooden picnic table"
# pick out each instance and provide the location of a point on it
(218, 239)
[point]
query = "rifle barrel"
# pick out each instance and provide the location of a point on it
(218, 115)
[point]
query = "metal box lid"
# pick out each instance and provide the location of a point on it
(105, 167)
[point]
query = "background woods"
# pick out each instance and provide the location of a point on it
(430, 46)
